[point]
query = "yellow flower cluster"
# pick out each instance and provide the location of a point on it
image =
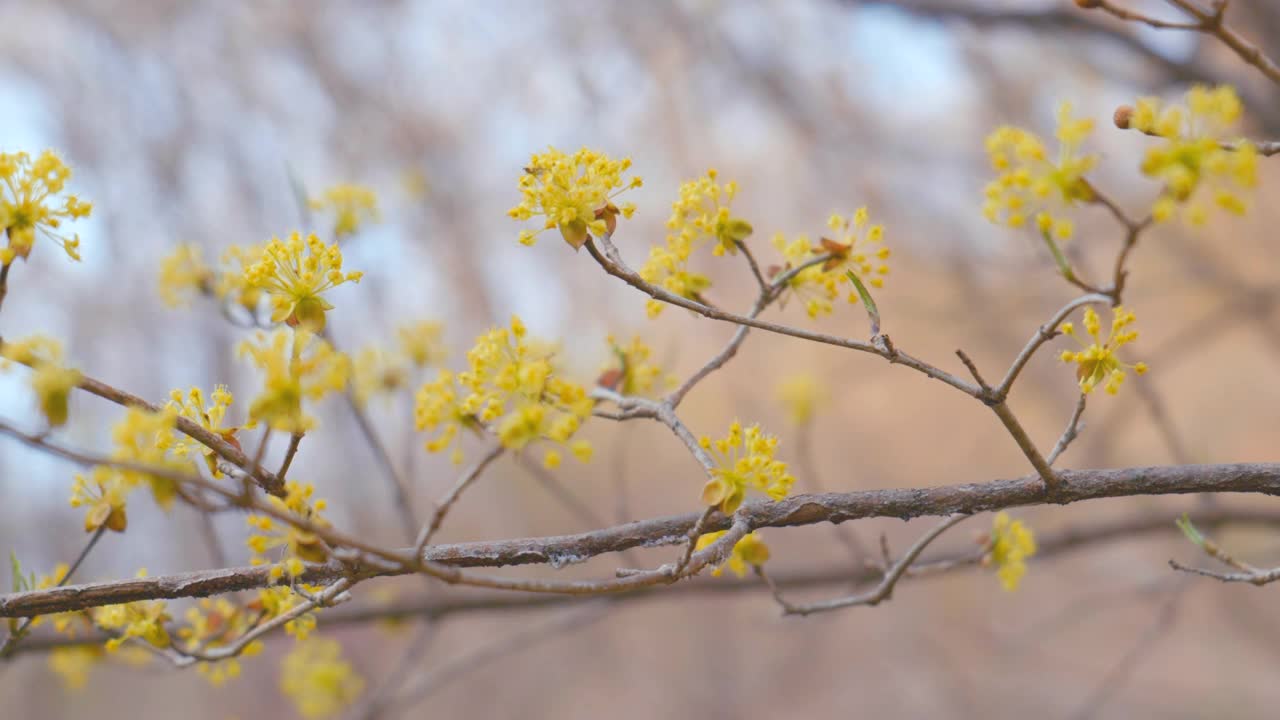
(144, 620)
(631, 373)
(299, 546)
(749, 552)
(377, 371)
(215, 623)
(510, 389)
(298, 366)
(29, 202)
(700, 213)
(142, 437)
(423, 343)
(574, 193)
(1197, 171)
(72, 664)
(1012, 543)
(207, 414)
(294, 273)
(351, 206)
(668, 268)
(1097, 362)
(1030, 186)
(275, 601)
(801, 395)
(233, 284)
(51, 381)
(183, 274)
(318, 680)
(744, 461)
(858, 249)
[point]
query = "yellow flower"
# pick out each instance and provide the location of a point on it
(317, 679)
(699, 214)
(183, 274)
(574, 193)
(72, 664)
(294, 273)
(1030, 186)
(667, 267)
(702, 212)
(233, 284)
(744, 461)
(801, 395)
(50, 380)
(300, 546)
(105, 493)
(423, 343)
(858, 249)
(1097, 362)
(275, 601)
(749, 552)
(1012, 543)
(351, 205)
(511, 389)
(632, 373)
(298, 366)
(144, 620)
(142, 437)
(377, 372)
(1198, 173)
(207, 415)
(215, 623)
(28, 201)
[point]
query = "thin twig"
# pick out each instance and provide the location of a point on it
(14, 638)
(1043, 334)
(445, 504)
(872, 597)
(755, 266)
(4, 281)
(1028, 447)
(1257, 577)
(1210, 22)
(1071, 432)
(973, 370)
(612, 264)
(1124, 14)
(334, 594)
(294, 441)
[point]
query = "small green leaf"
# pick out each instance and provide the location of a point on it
(16, 568)
(867, 302)
(1194, 535)
(1064, 266)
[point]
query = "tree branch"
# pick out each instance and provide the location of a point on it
(1059, 543)
(1074, 486)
